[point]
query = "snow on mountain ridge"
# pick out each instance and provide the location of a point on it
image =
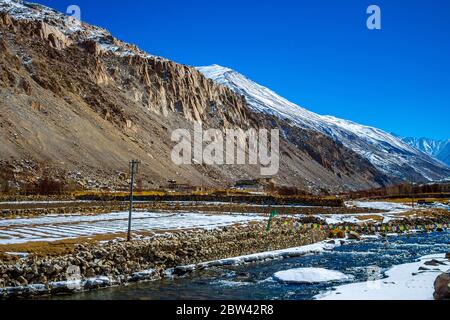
(74, 29)
(22, 10)
(429, 146)
(388, 153)
(439, 149)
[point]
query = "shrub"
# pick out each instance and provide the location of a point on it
(49, 186)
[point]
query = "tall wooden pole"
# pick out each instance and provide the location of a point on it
(133, 167)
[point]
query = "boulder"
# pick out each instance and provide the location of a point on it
(442, 287)
(42, 279)
(22, 281)
(182, 270)
(434, 263)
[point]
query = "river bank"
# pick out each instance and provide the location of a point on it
(408, 281)
(92, 266)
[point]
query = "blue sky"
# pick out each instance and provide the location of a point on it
(317, 53)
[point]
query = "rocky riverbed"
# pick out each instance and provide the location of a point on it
(96, 265)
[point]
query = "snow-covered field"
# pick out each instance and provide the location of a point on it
(393, 211)
(403, 282)
(58, 227)
(388, 206)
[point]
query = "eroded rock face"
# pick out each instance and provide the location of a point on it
(92, 47)
(166, 87)
(5, 20)
(442, 287)
(55, 38)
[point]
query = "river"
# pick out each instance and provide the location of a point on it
(255, 281)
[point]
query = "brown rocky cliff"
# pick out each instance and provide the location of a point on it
(82, 108)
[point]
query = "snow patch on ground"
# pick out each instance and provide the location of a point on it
(402, 282)
(388, 206)
(393, 212)
(335, 219)
(18, 254)
(270, 255)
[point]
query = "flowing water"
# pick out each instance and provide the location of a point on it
(254, 281)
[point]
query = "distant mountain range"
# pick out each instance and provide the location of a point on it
(439, 149)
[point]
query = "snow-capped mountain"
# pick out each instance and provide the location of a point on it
(388, 153)
(439, 149)
(77, 102)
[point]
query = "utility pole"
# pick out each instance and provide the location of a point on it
(133, 170)
(231, 204)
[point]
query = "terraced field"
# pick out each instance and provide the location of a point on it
(59, 227)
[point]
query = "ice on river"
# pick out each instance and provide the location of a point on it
(310, 275)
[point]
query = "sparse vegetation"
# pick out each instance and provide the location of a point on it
(5, 176)
(405, 190)
(213, 195)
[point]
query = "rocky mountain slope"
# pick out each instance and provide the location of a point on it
(77, 104)
(439, 149)
(386, 152)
